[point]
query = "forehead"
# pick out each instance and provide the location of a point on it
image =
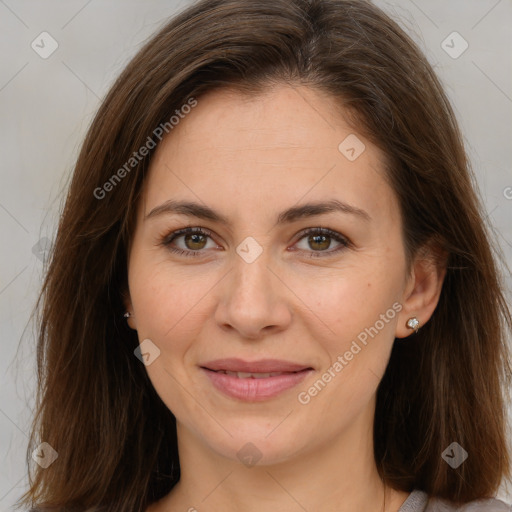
(276, 148)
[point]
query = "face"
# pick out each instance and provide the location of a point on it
(274, 322)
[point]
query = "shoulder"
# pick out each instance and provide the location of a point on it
(420, 501)
(486, 505)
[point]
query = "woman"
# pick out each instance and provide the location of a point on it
(271, 286)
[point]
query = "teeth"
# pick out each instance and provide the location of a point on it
(245, 375)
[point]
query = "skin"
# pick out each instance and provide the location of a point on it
(249, 158)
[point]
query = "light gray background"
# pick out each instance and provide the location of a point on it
(46, 106)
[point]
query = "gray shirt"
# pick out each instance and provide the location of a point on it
(418, 501)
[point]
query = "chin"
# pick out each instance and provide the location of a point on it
(257, 441)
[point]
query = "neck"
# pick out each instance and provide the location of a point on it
(338, 475)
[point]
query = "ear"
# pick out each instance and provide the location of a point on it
(127, 302)
(423, 289)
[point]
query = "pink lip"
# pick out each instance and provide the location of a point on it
(252, 389)
(261, 366)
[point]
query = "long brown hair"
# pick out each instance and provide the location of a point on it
(116, 440)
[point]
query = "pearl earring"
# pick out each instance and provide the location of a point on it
(127, 314)
(413, 323)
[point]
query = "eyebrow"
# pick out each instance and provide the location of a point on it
(201, 211)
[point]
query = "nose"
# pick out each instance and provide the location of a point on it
(253, 299)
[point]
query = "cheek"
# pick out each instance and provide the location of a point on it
(165, 299)
(167, 306)
(360, 308)
(355, 314)
(346, 301)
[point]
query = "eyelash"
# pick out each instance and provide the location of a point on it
(167, 240)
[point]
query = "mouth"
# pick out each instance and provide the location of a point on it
(246, 375)
(254, 381)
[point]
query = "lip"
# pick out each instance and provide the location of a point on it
(233, 364)
(252, 389)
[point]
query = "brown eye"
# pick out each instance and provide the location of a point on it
(188, 241)
(319, 240)
(195, 241)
